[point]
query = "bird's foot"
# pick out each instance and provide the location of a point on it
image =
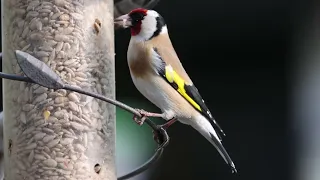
(156, 137)
(161, 137)
(144, 114)
(139, 120)
(164, 126)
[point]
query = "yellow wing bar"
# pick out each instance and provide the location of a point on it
(173, 77)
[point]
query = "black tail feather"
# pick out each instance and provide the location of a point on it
(218, 129)
(224, 153)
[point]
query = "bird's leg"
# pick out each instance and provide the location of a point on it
(164, 126)
(144, 115)
(169, 123)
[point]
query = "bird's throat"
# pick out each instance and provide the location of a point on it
(135, 30)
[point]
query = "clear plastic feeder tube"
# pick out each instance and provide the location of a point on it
(59, 134)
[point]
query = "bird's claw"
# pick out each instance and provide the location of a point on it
(144, 115)
(161, 137)
(140, 120)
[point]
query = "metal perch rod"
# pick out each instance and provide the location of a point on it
(39, 73)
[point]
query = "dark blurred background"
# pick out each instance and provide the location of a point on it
(238, 54)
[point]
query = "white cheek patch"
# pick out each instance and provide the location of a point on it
(148, 27)
(152, 13)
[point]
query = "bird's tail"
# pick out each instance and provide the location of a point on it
(202, 125)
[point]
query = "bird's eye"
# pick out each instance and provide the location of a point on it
(137, 17)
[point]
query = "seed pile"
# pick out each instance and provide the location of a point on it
(56, 134)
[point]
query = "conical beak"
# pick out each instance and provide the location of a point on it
(123, 21)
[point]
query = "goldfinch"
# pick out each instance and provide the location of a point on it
(158, 74)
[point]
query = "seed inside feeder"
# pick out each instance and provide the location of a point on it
(55, 134)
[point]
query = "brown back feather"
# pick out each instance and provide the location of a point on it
(165, 49)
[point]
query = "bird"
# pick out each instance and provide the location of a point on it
(158, 74)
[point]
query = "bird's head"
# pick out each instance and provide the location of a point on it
(143, 23)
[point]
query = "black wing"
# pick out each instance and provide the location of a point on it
(190, 93)
(193, 92)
